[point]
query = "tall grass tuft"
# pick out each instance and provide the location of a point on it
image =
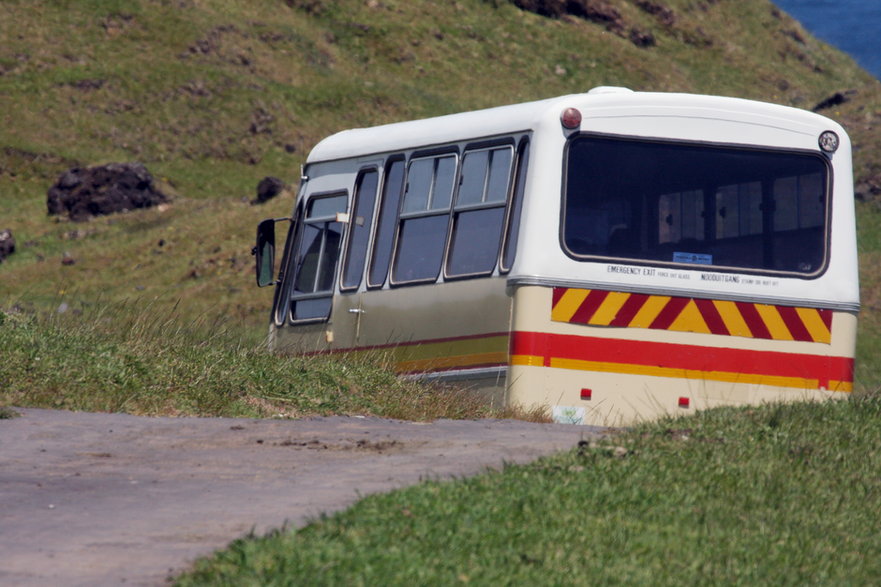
(140, 361)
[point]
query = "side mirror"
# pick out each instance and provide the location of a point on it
(264, 252)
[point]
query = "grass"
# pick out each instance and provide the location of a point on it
(136, 361)
(779, 495)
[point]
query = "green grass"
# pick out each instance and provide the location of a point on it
(138, 361)
(779, 495)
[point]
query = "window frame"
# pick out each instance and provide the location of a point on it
(456, 209)
(352, 224)
(382, 196)
(304, 221)
(827, 215)
(436, 154)
(514, 207)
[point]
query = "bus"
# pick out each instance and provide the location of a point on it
(613, 256)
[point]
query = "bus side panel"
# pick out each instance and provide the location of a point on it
(605, 362)
(457, 330)
(450, 328)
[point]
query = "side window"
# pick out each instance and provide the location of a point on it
(316, 260)
(422, 229)
(383, 241)
(479, 213)
(513, 231)
(359, 228)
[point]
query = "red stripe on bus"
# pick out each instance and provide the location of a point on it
(409, 343)
(559, 292)
(753, 320)
(589, 306)
(711, 316)
(629, 310)
(682, 356)
(670, 312)
(793, 322)
(826, 315)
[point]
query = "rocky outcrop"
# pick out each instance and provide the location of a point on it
(268, 188)
(82, 193)
(597, 11)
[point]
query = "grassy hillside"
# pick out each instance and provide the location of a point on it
(213, 95)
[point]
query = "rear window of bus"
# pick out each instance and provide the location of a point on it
(725, 207)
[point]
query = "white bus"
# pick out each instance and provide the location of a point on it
(613, 255)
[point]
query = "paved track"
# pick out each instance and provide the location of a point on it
(110, 499)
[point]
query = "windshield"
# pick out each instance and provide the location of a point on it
(695, 204)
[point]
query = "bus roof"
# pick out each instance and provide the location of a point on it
(528, 116)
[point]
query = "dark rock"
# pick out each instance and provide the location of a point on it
(835, 99)
(642, 38)
(7, 244)
(81, 193)
(665, 15)
(597, 11)
(268, 188)
(868, 189)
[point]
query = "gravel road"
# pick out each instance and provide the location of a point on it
(110, 499)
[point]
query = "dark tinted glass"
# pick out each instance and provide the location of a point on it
(420, 248)
(388, 215)
(477, 235)
(696, 204)
(516, 204)
(359, 228)
(310, 252)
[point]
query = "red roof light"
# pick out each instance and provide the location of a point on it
(570, 118)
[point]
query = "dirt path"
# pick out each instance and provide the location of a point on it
(107, 499)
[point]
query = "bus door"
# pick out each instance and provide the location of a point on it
(348, 311)
(310, 280)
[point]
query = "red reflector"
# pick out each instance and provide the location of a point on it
(570, 118)
(586, 394)
(684, 402)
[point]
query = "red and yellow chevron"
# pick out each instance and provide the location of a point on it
(684, 314)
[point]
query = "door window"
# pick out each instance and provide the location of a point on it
(317, 255)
